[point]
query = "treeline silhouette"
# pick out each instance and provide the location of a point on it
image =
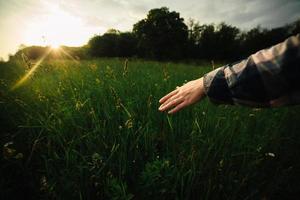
(163, 35)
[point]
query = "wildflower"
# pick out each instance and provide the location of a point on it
(221, 163)
(8, 152)
(125, 70)
(258, 149)
(129, 124)
(19, 156)
(2, 82)
(270, 154)
(166, 74)
(78, 105)
(93, 67)
(27, 62)
(109, 73)
(167, 162)
(256, 109)
(41, 97)
(97, 80)
(92, 112)
(44, 183)
(149, 102)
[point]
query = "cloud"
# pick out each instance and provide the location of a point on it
(99, 15)
(93, 21)
(242, 13)
(263, 13)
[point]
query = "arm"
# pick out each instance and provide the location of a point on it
(270, 77)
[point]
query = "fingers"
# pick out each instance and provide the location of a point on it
(177, 108)
(169, 100)
(183, 96)
(171, 103)
(162, 100)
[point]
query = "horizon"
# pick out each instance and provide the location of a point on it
(46, 23)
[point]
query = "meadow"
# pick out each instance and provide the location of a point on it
(91, 129)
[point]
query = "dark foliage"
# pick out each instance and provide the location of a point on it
(113, 44)
(163, 35)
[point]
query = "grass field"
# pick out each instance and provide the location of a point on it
(91, 130)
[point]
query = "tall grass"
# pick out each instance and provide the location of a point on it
(91, 130)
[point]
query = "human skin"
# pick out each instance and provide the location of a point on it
(183, 96)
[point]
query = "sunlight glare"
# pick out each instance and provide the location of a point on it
(31, 71)
(55, 46)
(56, 27)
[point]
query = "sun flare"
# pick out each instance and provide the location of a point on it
(56, 27)
(55, 46)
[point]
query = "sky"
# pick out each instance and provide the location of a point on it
(73, 22)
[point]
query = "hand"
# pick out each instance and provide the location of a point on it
(183, 96)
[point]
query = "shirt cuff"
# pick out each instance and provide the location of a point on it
(216, 87)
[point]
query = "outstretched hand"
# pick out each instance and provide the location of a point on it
(183, 96)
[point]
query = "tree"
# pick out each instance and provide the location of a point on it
(258, 38)
(113, 44)
(162, 35)
(105, 45)
(295, 27)
(127, 45)
(227, 42)
(194, 36)
(207, 42)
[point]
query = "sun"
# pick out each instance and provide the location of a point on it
(55, 46)
(56, 27)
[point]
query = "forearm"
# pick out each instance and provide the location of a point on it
(269, 77)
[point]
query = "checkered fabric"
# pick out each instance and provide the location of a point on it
(268, 78)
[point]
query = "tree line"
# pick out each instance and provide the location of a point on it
(164, 35)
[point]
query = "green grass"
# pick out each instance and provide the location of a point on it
(91, 130)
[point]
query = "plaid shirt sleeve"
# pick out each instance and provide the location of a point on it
(268, 78)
